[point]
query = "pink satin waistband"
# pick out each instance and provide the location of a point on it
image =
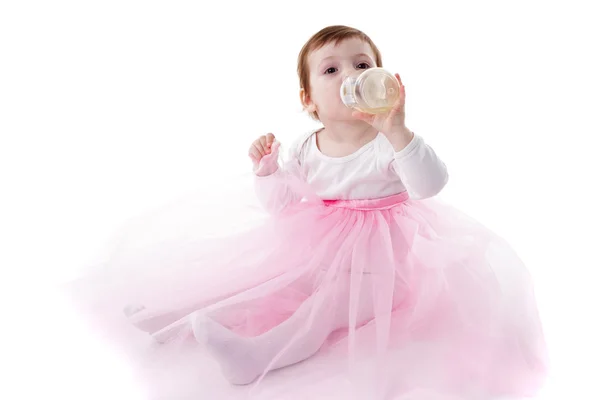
(384, 203)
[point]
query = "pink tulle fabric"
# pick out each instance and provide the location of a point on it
(389, 298)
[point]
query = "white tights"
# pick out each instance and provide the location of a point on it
(243, 359)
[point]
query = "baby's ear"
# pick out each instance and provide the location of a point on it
(306, 101)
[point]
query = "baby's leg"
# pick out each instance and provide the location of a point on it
(327, 318)
(243, 359)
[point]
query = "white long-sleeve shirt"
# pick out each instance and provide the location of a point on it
(373, 171)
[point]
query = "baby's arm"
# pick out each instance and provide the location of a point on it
(421, 170)
(271, 188)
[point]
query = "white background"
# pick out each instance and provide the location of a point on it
(108, 109)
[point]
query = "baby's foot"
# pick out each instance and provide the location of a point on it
(236, 354)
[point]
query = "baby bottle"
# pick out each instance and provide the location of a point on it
(374, 91)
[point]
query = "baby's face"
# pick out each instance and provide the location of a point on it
(328, 67)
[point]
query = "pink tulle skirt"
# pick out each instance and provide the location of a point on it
(376, 299)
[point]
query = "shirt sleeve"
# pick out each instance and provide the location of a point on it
(423, 173)
(273, 191)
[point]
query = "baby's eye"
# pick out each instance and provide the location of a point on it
(330, 70)
(363, 66)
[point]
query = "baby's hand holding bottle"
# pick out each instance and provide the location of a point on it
(264, 153)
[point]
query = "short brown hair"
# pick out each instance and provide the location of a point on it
(335, 34)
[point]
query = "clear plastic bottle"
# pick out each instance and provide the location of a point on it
(374, 91)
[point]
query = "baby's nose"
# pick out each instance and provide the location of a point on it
(351, 74)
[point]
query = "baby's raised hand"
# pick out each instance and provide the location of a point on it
(264, 153)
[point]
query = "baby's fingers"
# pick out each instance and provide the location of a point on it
(261, 146)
